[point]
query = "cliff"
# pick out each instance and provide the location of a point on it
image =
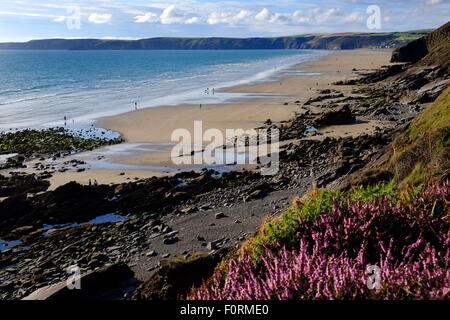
(432, 49)
(345, 41)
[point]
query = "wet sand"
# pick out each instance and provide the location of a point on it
(156, 125)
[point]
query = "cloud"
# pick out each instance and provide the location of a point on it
(28, 14)
(328, 15)
(242, 15)
(147, 17)
(192, 20)
(280, 18)
(263, 15)
(171, 15)
(216, 18)
(299, 17)
(60, 19)
(228, 18)
(355, 16)
(100, 18)
(433, 2)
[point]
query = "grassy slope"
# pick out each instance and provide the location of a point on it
(422, 152)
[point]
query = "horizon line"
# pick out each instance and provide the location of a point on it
(217, 37)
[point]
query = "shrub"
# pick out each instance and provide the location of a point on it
(408, 241)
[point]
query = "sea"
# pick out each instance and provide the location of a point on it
(39, 88)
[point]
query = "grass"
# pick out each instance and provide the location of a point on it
(422, 152)
(431, 119)
(195, 255)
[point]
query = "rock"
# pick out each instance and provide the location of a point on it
(99, 256)
(211, 246)
(95, 285)
(256, 194)
(22, 230)
(113, 248)
(189, 210)
(170, 240)
(94, 263)
(335, 116)
(166, 255)
(219, 215)
(174, 279)
(151, 254)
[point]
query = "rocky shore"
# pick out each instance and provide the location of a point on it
(169, 233)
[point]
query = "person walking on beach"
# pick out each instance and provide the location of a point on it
(200, 106)
(65, 120)
(135, 105)
(95, 183)
(90, 182)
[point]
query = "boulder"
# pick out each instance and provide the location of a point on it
(335, 116)
(103, 284)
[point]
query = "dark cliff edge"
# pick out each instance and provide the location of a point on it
(345, 41)
(431, 49)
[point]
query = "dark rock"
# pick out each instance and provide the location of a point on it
(219, 215)
(106, 283)
(335, 116)
(174, 279)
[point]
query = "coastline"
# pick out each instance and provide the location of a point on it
(286, 94)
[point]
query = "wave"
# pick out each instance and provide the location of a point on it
(88, 100)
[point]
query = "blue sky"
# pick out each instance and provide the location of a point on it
(23, 20)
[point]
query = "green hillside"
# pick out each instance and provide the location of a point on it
(331, 41)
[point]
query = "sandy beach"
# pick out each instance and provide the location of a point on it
(286, 95)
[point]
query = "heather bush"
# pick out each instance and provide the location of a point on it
(285, 229)
(407, 240)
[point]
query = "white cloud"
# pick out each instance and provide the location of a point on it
(355, 16)
(299, 17)
(192, 20)
(216, 18)
(280, 18)
(433, 2)
(28, 14)
(100, 18)
(171, 15)
(263, 15)
(242, 15)
(60, 19)
(327, 15)
(228, 18)
(147, 17)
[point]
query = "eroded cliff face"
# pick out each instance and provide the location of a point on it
(432, 49)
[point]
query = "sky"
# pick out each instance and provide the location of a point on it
(24, 20)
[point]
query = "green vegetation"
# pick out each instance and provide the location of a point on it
(431, 119)
(284, 229)
(422, 152)
(405, 235)
(27, 143)
(195, 255)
